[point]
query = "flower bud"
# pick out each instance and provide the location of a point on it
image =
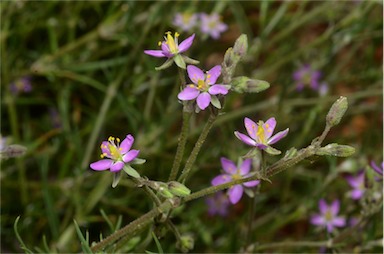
(178, 189)
(241, 45)
(337, 111)
(246, 85)
(335, 149)
(186, 243)
(164, 191)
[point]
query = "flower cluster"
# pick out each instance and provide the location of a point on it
(210, 25)
(233, 172)
(307, 76)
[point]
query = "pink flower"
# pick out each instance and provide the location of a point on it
(185, 21)
(307, 76)
(212, 25)
(328, 216)
(203, 89)
(218, 204)
(357, 183)
(232, 172)
(378, 170)
(260, 134)
(114, 155)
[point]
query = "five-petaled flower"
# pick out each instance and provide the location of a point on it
(357, 183)
(232, 172)
(22, 85)
(203, 89)
(306, 75)
(260, 134)
(328, 216)
(115, 155)
(212, 25)
(171, 49)
(185, 21)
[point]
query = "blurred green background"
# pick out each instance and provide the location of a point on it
(90, 79)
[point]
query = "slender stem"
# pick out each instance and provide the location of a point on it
(196, 149)
(174, 229)
(180, 146)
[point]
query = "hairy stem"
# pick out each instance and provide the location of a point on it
(196, 149)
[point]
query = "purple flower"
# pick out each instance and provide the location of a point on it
(203, 89)
(185, 21)
(357, 183)
(328, 216)
(260, 134)
(307, 76)
(22, 85)
(115, 154)
(55, 118)
(378, 170)
(212, 25)
(232, 172)
(218, 204)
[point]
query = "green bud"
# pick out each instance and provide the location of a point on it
(178, 189)
(246, 85)
(337, 150)
(241, 46)
(337, 111)
(164, 191)
(228, 57)
(186, 243)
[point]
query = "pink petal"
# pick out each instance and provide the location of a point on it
(188, 93)
(131, 155)
(356, 194)
(203, 100)
(126, 144)
(278, 136)
(105, 148)
(213, 74)
(251, 183)
(245, 167)
(195, 74)
(235, 193)
(155, 53)
(218, 89)
(329, 227)
(335, 207)
(101, 165)
(269, 127)
(221, 179)
(247, 140)
(317, 220)
(186, 44)
(228, 166)
(339, 222)
(117, 166)
(323, 206)
(251, 127)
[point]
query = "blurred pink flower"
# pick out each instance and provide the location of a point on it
(21, 85)
(357, 183)
(212, 25)
(328, 216)
(218, 204)
(307, 76)
(185, 21)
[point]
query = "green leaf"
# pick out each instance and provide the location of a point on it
(23, 246)
(130, 171)
(215, 102)
(272, 151)
(179, 61)
(116, 179)
(84, 243)
(158, 245)
(138, 161)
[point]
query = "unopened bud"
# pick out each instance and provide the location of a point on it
(241, 45)
(337, 111)
(336, 150)
(228, 57)
(178, 189)
(164, 191)
(186, 243)
(247, 85)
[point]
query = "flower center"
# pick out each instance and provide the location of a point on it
(236, 175)
(260, 133)
(201, 85)
(172, 43)
(113, 148)
(328, 215)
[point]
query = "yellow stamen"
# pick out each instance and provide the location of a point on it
(159, 43)
(171, 43)
(260, 133)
